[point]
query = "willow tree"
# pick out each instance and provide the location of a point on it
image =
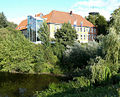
(112, 40)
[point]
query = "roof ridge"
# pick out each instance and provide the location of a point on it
(66, 12)
(52, 14)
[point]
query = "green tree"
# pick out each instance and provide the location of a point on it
(12, 25)
(102, 25)
(100, 22)
(17, 53)
(78, 55)
(44, 34)
(66, 35)
(111, 42)
(3, 21)
(92, 18)
(115, 13)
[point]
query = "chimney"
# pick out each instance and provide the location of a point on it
(70, 12)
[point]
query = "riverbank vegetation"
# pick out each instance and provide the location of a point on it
(17, 54)
(95, 66)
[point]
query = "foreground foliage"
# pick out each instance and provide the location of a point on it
(78, 55)
(17, 54)
(80, 88)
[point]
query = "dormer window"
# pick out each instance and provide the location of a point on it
(81, 23)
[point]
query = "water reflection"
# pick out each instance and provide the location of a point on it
(24, 85)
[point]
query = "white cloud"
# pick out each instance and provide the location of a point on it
(104, 7)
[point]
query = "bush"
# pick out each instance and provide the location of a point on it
(43, 68)
(58, 49)
(116, 78)
(78, 55)
(49, 56)
(17, 54)
(100, 73)
(81, 82)
(65, 88)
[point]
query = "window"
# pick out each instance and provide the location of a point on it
(81, 36)
(84, 29)
(89, 36)
(94, 36)
(55, 27)
(81, 29)
(91, 30)
(94, 30)
(78, 29)
(84, 36)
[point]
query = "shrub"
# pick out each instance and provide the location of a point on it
(16, 52)
(49, 56)
(43, 68)
(65, 88)
(100, 73)
(78, 55)
(81, 82)
(116, 78)
(20, 55)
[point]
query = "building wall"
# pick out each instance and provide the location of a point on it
(92, 34)
(82, 34)
(85, 34)
(53, 29)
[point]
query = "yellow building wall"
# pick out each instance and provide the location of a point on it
(82, 35)
(53, 29)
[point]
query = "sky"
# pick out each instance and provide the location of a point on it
(18, 10)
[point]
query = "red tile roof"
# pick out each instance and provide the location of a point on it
(22, 25)
(65, 17)
(59, 17)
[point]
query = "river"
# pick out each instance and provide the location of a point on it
(25, 85)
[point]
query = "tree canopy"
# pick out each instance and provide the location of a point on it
(100, 22)
(66, 35)
(44, 34)
(115, 13)
(3, 21)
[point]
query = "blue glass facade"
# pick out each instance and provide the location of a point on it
(33, 25)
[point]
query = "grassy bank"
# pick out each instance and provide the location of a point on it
(81, 87)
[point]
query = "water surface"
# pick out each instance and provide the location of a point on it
(24, 85)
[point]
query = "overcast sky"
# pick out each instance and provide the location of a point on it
(17, 10)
